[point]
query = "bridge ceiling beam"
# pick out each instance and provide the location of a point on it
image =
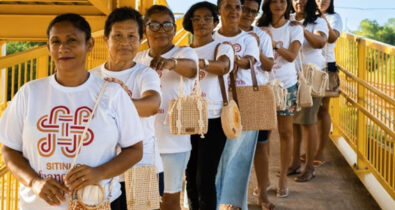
(34, 27)
(105, 6)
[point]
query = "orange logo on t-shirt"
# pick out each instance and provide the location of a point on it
(63, 129)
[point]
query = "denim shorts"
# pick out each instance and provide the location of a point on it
(174, 165)
(291, 102)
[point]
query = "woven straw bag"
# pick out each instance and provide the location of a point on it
(142, 188)
(280, 93)
(188, 114)
(257, 103)
(316, 78)
(91, 197)
(304, 98)
(333, 89)
(230, 113)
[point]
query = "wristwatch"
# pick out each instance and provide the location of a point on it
(206, 63)
(277, 46)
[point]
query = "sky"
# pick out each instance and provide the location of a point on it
(351, 11)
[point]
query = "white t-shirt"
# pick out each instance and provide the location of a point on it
(265, 47)
(335, 21)
(282, 69)
(139, 79)
(45, 120)
(209, 83)
(244, 44)
(170, 82)
(310, 54)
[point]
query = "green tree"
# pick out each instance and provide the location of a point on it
(14, 47)
(371, 29)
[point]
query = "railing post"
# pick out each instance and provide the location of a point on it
(335, 114)
(42, 66)
(3, 87)
(361, 119)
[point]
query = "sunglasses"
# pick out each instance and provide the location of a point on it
(155, 26)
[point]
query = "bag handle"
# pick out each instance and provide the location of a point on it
(221, 77)
(253, 74)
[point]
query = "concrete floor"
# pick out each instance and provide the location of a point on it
(334, 187)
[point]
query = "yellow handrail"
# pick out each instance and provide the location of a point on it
(364, 114)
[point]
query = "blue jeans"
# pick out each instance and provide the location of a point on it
(234, 170)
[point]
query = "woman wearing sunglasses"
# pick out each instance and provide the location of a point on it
(200, 20)
(237, 158)
(171, 63)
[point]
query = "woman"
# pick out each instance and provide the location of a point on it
(315, 34)
(286, 42)
(249, 12)
(335, 25)
(40, 128)
(171, 63)
(123, 32)
(232, 185)
(200, 20)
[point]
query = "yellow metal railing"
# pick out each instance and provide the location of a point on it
(17, 69)
(364, 114)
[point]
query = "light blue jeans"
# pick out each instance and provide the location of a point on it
(234, 170)
(174, 165)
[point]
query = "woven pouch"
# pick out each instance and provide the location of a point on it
(280, 94)
(317, 78)
(333, 89)
(304, 98)
(142, 188)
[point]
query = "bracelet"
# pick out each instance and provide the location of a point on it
(175, 63)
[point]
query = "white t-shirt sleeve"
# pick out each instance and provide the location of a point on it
(321, 26)
(227, 50)
(252, 48)
(266, 45)
(150, 81)
(11, 123)
(297, 34)
(128, 121)
(336, 22)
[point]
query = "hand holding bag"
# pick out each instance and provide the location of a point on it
(257, 103)
(230, 113)
(188, 114)
(91, 197)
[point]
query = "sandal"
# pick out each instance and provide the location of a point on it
(282, 193)
(318, 163)
(291, 171)
(305, 177)
(267, 206)
(228, 207)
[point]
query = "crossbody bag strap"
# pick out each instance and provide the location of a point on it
(88, 123)
(253, 74)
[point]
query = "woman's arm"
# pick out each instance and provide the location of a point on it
(148, 104)
(218, 67)
(83, 175)
(317, 39)
(291, 53)
(266, 62)
(333, 34)
(183, 66)
(48, 189)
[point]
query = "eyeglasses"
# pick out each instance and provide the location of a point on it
(249, 10)
(206, 19)
(155, 26)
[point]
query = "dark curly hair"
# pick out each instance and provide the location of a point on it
(122, 14)
(76, 20)
(267, 16)
(158, 9)
(257, 1)
(311, 12)
(187, 22)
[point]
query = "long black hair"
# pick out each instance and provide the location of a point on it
(267, 16)
(311, 12)
(331, 8)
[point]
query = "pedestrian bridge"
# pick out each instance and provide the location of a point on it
(360, 173)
